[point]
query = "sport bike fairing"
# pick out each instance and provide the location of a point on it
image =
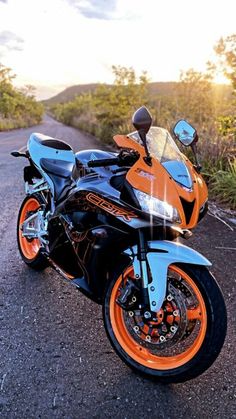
(171, 178)
(108, 226)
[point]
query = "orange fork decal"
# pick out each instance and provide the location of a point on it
(111, 208)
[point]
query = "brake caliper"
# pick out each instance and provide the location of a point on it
(129, 294)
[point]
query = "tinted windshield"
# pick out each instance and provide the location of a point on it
(160, 144)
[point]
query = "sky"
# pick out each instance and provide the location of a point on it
(58, 43)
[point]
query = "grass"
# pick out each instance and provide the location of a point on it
(7, 124)
(223, 185)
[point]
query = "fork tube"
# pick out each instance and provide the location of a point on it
(142, 256)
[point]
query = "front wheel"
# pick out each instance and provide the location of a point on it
(179, 342)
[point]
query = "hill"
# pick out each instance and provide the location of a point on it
(155, 88)
(70, 93)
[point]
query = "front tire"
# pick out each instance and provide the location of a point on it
(30, 249)
(193, 317)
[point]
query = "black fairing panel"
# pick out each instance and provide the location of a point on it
(61, 249)
(62, 186)
(85, 155)
(101, 255)
(90, 255)
(60, 172)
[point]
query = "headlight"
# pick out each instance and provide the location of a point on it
(157, 207)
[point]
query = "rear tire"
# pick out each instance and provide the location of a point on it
(210, 324)
(30, 249)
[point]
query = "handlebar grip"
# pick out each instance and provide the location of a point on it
(103, 162)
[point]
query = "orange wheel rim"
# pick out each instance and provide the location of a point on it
(29, 248)
(141, 354)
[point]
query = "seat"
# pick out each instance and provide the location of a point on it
(60, 173)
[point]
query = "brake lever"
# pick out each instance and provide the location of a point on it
(128, 157)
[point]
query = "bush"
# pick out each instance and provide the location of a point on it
(227, 125)
(18, 109)
(223, 185)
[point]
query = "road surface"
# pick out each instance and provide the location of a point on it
(55, 359)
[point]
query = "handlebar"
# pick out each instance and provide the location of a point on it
(125, 158)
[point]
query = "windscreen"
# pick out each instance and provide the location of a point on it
(160, 144)
(162, 147)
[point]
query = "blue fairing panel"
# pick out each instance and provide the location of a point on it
(179, 252)
(179, 172)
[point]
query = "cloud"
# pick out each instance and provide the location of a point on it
(3, 1)
(94, 9)
(9, 41)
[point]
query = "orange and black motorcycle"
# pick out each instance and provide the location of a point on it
(111, 224)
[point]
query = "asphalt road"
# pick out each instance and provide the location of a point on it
(55, 359)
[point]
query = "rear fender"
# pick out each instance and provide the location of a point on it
(161, 254)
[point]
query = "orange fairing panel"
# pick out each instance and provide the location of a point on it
(127, 142)
(156, 181)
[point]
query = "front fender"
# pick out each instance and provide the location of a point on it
(161, 254)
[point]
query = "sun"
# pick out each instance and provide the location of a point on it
(220, 79)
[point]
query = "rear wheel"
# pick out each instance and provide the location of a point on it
(31, 249)
(179, 342)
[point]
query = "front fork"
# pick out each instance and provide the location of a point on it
(151, 268)
(151, 261)
(143, 267)
(153, 287)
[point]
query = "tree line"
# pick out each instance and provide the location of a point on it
(108, 110)
(18, 107)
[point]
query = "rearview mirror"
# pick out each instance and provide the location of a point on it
(142, 120)
(185, 133)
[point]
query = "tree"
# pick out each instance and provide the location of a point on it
(28, 90)
(194, 97)
(17, 108)
(226, 52)
(114, 105)
(5, 75)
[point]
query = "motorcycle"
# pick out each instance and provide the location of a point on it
(112, 223)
